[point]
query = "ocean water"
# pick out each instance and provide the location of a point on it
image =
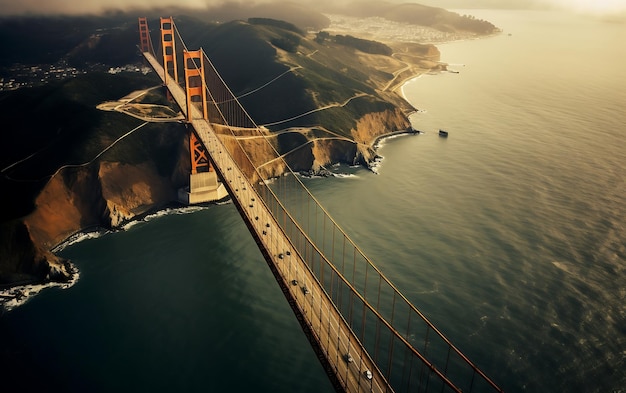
(510, 235)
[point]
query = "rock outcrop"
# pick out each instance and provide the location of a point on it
(105, 194)
(23, 261)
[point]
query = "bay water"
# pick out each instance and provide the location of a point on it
(510, 235)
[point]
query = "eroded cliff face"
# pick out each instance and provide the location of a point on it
(131, 190)
(318, 153)
(373, 126)
(71, 200)
(108, 194)
(24, 261)
(105, 194)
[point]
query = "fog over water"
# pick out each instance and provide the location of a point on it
(10, 7)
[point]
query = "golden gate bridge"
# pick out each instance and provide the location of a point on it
(366, 334)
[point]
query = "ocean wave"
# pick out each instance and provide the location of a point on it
(127, 226)
(19, 295)
(381, 141)
(79, 237)
(374, 168)
(346, 175)
(94, 234)
(307, 176)
(166, 212)
(174, 211)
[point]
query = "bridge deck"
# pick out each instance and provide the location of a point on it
(314, 309)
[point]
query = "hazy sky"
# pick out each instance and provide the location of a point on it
(94, 6)
(597, 6)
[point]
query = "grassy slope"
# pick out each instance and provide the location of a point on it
(59, 122)
(323, 74)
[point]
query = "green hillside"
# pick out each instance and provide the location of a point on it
(59, 125)
(280, 71)
(326, 72)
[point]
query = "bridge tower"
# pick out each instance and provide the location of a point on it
(195, 86)
(169, 48)
(144, 36)
(328, 281)
(204, 185)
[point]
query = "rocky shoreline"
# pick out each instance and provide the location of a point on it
(63, 276)
(54, 271)
(109, 194)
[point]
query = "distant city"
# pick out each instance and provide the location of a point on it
(378, 28)
(19, 76)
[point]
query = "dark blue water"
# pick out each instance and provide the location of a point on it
(509, 235)
(184, 302)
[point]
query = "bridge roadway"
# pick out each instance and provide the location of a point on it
(343, 357)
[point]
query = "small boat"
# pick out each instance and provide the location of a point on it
(443, 133)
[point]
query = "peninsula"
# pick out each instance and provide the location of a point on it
(105, 145)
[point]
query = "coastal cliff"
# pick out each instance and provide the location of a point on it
(108, 194)
(104, 195)
(329, 99)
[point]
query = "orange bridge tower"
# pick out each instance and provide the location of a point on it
(204, 186)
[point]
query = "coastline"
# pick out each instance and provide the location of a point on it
(379, 139)
(16, 295)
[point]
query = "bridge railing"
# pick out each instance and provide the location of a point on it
(408, 349)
